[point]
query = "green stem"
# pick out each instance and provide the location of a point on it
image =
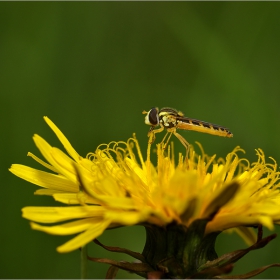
(84, 262)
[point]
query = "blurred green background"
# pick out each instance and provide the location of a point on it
(92, 67)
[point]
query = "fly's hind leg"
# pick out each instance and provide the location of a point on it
(183, 141)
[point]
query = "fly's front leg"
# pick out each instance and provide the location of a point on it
(152, 132)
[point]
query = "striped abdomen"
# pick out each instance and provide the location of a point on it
(201, 126)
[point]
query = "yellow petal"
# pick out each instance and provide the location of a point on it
(71, 198)
(44, 179)
(60, 214)
(68, 147)
(67, 228)
(48, 166)
(248, 234)
(44, 147)
(127, 217)
(91, 233)
(56, 158)
(65, 164)
(234, 219)
(49, 192)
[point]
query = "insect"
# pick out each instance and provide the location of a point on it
(172, 120)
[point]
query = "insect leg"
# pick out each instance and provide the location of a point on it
(183, 141)
(154, 131)
(165, 136)
(162, 142)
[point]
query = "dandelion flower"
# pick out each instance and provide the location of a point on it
(193, 198)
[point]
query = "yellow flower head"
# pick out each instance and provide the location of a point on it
(114, 186)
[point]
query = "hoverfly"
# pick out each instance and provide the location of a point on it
(172, 120)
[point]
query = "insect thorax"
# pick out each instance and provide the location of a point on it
(168, 121)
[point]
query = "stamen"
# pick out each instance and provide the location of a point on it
(172, 153)
(99, 146)
(209, 162)
(149, 179)
(138, 150)
(91, 156)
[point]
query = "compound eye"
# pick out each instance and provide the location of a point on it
(153, 116)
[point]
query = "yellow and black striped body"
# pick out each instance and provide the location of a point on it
(170, 118)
